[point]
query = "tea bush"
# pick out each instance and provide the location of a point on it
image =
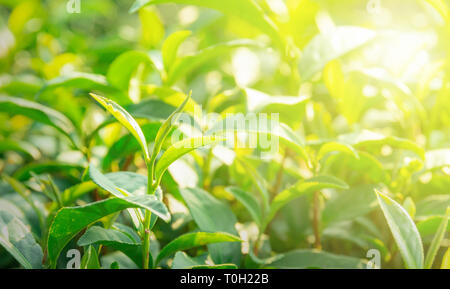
(224, 134)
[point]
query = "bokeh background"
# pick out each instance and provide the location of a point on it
(348, 67)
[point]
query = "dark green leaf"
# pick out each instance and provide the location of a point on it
(17, 239)
(115, 239)
(249, 202)
(301, 259)
(192, 240)
(70, 221)
(121, 70)
(211, 215)
(90, 259)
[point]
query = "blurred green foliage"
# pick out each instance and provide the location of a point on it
(361, 88)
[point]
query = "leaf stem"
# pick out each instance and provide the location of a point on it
(316, 220)
(279, 177)
(146, 242)
(258, 240)
(147, 220)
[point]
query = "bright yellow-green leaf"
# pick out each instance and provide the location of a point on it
(446, 260)
(437, 240)
(404, 231)
(170, 47)
(246, 10)
(164, 131)
(126, 120)
(152, 28)
(179, 149)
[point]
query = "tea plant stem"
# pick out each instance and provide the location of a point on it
(147, 220)
(279, 177)
(127, 162)
(258, 239)
(316, 221)
(206, 168)
(146, 243)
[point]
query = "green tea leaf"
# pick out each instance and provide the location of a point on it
(258, 181)
(96, 235)
(90, 259)
(174, 98)
(192, 240)
(124, 184)
(39, 113)
(17, 240)
(368, 138)
(300, 259)
(70, 221)
(24, 173)
(268, 127)
(164, 131)
(123, 67)
(217, 266)
(410, 207)
(349, 204)
(115, 239)
(114, 265)
(79, 80)
(336, 147)
(183, 261)
(25, 148)
(249, 202)
(201, 204)
(345, 89)
(404, 231)
(301, 188)
(126, 120)
(152, 27)
(430, 225)
(70, 195)
(365, 165)
(109, 184)
(128, 145)
(434, 205)
(437, 240)
(178, 150)
(184, 65)
(123, 261)
(446, 260)
(150, 109)
(170, 47)
(291, 109)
